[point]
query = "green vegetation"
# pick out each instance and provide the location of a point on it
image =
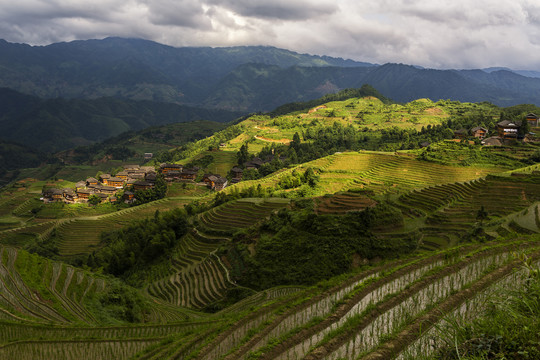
(349, 239)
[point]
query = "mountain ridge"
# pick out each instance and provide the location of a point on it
(218, 77)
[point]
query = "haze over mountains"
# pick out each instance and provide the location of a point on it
(236, 78)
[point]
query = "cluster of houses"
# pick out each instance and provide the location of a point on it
(105, 188)
(177, 172)
(506, 130)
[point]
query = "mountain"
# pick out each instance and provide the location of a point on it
(135, 68)
(56, 124)
(244, 78)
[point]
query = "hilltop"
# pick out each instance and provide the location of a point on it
(348, 226)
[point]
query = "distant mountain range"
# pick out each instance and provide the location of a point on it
(250, 78)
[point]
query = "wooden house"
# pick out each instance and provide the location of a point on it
(105, 178)
(136, 176)
(210, 180)
(532, 119)
(220, 183)
(165, 168)
(69, 195)
(254, 164)
(80, 185)
(148, 169)
(492, 141)
(102, 197)
(479, 132)
(84, 194)
(460, 134)
(188, 174)
(508, 129)
(171, 176)
(151, 177)
(237, 172)
(123, 175)
(57, 195)
(131, 167)
(116, 182)
(142, 185)
(91, 181)
(129, 197)
(148, 156)
(109, 190)
(206, 178)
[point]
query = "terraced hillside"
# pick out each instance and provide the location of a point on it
(378, 172)
(199, 277)
(359, 314)
(452, 210)
(81, 235)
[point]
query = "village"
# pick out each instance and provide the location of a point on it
(122, 186)
(507, 131)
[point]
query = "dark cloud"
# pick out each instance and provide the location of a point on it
(186, 13)
(431, 33)
(279, 9)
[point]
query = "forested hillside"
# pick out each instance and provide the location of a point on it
(58, 124)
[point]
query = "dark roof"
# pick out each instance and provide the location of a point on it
(475, 129)
(460, 131)
(124, 173)
(532, 116)
(105, 176)
(493, 141)
(85, 191)
(136, 167)
(91, 179)
(236, 169)
(221, 180)
(68, 191)
(110, 188)
(116, 179)
(166, 165)
(80, 183)
(257, 161)
(213, 178)
(189, 172)
(143, 183)
(508, 123)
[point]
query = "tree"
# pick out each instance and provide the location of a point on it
(94, 199)
(295, 144)
(481, 215)
(242, 155)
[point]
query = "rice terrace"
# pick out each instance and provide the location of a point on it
(347, 227)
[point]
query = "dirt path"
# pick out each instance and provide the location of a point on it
(281, 141)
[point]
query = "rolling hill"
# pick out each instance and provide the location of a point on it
(359, 244)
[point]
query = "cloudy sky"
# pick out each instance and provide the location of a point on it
(430, 33)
